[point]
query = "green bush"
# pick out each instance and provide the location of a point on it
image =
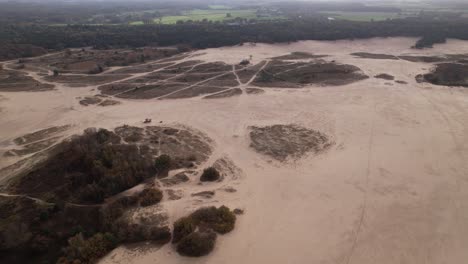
(163, 164)
(89, 250)
(210, 174)
(221, 219)
(182, 228)
(197, 244)
(150, 196)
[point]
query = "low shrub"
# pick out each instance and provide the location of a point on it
(197, 244)
(163, 164)
(221, 219)
(210, 174)
(150, 197)
(88, 250)
(182, 228)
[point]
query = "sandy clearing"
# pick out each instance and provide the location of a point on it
(393, 189)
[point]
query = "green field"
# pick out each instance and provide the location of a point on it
(211, 15)
(364, 16)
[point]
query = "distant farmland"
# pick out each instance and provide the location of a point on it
(213, 15)
(364, 16)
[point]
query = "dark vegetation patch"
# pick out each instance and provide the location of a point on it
(150, 197)
(224, 94)
(295, 75)
(36, 141)
(40, 134)
(193, 78)
(109, 102)
(254, 91)
(88, 169)
(196, 233)
(298, 55)
(115, 88)
(195, 91)
(84, 80)
(197, 244)
(212, 67)
(186, 148)
(176, 179)
(88, 250)
(428, 59)
(385, 76)
(225, 80)
(283, 142)
(83, 205)
(447, 74)
(141, 68)
(90, 100)
(15, 81)
(163, 164)
(151, 91)
(401, 82)
(366, 55)
(246, 73)
(204, 194)
(181, 67)
(12, 51)
(210, 174)
(93, 61)
(31, 147)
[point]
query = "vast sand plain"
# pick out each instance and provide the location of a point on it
(392, 189)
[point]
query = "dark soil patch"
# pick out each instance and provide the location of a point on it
(385, 76)
(448, 74)
(283, 142)
(366, 55)
(228, 93)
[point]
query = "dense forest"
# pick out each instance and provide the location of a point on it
(206, 35)
(55, 25)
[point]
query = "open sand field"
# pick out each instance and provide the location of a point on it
(392, 187)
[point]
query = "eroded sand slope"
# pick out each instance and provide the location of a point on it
(391, 189)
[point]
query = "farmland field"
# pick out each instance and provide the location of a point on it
(364, 16)
(214, 15)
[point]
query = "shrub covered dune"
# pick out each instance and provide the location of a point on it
(79, 212)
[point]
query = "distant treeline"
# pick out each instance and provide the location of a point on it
(206, 35)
